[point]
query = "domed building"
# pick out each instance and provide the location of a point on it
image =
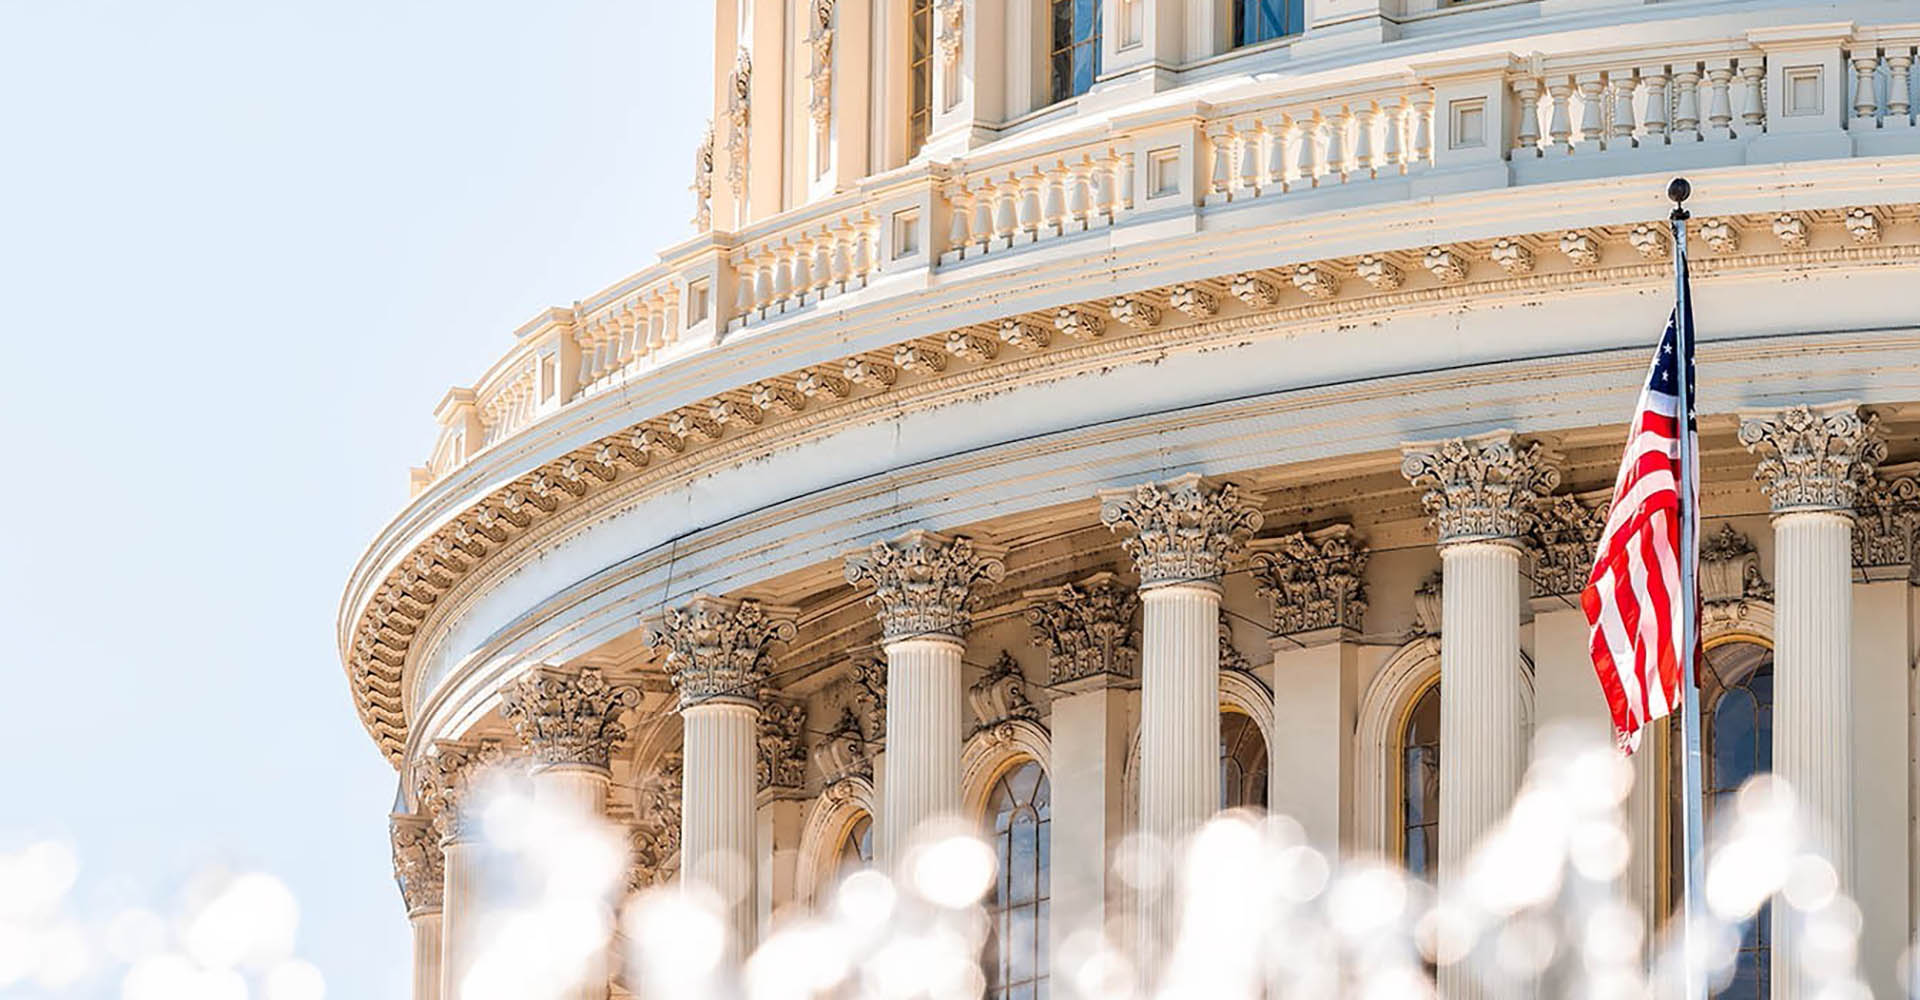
(1087, 415)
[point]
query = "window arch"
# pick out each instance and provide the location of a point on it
(1243, 762)
(856, 846)
(1256, 21)
(1019, 814)
(1419, 792)
(1074, 55)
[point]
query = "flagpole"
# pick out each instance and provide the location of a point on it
(1693, 843)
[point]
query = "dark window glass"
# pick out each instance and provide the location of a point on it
(1243, 763)
(1019, 813)
(1420, 785)
(1738, 745)
(1261, 20)
(919, 73)
(856, 848)
(1075, 53)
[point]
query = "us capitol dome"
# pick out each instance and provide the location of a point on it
(1084, 416)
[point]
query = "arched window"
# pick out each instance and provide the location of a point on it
(1736, 743)
(919, 73)
(1076, 47)
(1420, 784)
(1243, 762)
(1019, 810)
(1263, 20)
(856, 846)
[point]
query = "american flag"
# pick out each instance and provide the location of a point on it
(1633, 596)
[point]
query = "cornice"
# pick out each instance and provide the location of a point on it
(556, 498)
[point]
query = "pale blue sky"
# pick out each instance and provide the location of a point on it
(244, 247)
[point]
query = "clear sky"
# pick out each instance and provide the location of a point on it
(245, 245)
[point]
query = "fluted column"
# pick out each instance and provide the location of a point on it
(718, 655)
(1181, 535)
(923, 592)
(444, 780)
(1483, 492)
(1813, 463)
(570, 722)
(417, 868)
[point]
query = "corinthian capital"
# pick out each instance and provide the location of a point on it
(1814, 457)
(418, 862)
(444, 779)
(923, 582)
(1315, 581)
(1482, 488)
(1562, 539)
(1087, 629)
(720, 649)
(568, 717)
(1182, 530)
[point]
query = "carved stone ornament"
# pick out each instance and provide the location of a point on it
(1886, 527)
(845, 752)
(703, 181)
(782, 739)
(444, 779)
(418, 862)
(739, 116)
(953, 15)
(568, 717)
(923, 583)
(1814, 458)
(1480, 488)
(1428, 605)
(1730, 569)
(869, 678)
(1562, 541)
(1180, 531)
(1087, 629)
(1580, 248)
(1230, 656)
(655, 835)
(1314, 581)
(820, 73)
(719, 649)
(1000, 696)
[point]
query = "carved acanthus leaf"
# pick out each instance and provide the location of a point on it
(1087, 629)
(782, 739)
(923, 583)
(719, 648)
(1000, 696)
(568, 717)
(1481, 488)
(655, 835)
(445, 778)
(418, 862)
(1886, 527)
(1314, 581)
(1814, 458)
(1181, 530)
(1562, 541)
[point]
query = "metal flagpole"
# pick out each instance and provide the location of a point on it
(1693, 844)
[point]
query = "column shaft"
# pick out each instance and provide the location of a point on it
(717, 814)
(460, 907)
(426, 955)
(1179, 727)
(923, 737)
(581, 791)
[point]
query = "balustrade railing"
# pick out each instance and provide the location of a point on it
(994, 207)
(1580, 106)
(1308, 143)
(617, 337)
(829, 250)
(1882, 91)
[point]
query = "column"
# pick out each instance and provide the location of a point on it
(1482, 492)
(923, 591)
(1813, 462)
(417, 869)
(719, 653)
(444, 781)
(1316, 586)
(1181, 535)
(570, 721)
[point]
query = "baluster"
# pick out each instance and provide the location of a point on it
(782, 276)
(1123, 180)
(1865, 104)
(1526, 137)
(1899, 67)
(1079, 203)
(983, 214)
(669, 315)
(1029, 206)
(1753, 109)
(802, 270)
(744, 277)
(1422, 130)
(1340, 143)
(960, 227)
(1250, 166)
(1100, 190)
(1560, 122)
(1053, 198)
(866, 236)
(1719, 105)
(1390, 151)
(1364, 163)
(1686, 103)
(842, 254)
(764, 296)
(1654, 126)
(822, 247)
(1273, 154)
(652, 327)
(1217, 140)
(1006, 194)
(1593, 128)
(1621, 80)
(1313, 151)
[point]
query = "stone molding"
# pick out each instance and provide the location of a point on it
(1000, 696)
(782, 739)
(1182, 530)
(1562, 539)
(1087, 630)
(568, 717)
(444, 779)
(1483, 488)
(720, 649)
(1313, 580)
(419, 864)
(923, 583)
(1814, 458)
(654, 836)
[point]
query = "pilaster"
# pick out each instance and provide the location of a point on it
(418, 868)
(445, 779)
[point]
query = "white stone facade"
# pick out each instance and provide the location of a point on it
(1227, 337)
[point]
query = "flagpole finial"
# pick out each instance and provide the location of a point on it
(1678, 191)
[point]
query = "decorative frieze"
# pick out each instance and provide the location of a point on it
(953, 19)
(1580, 248)
(1480, 488)
(694, 426)
(1230, 656)
(1790, 230)
(1000, 696)
(654, 837)
(820, 74)
(773, 397)
(568, 717)
(1080, 324)
(1513, 257)
(1087, 630)
(782, 741)
(1814, 458)
(444, 779)
(1313, 581)
(1446, 264)
(1135, 311)
(869, 679)
(1379, 272)
(1023, 336)
(923, 583)
(968, 346)
(418, 862)
(1863, 225)
(1315, 281)
(702, 186)
(1193, 300)
(821, 385)
(1648, 240)
(870, 373)
(1886, 527)
(1562, 542)
(739, 116)
(720, 649)
(1181, 530)
(1720, 236)
(1251, 289)
(918, 359)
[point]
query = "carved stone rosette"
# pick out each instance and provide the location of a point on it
(1483, 488)
(782, 739)
(1315, 581)
(1181, 531)
(1886, 529)
(720, 649)
(1000, 696)
(444, 779)
(1562, 541)
(418, 862)
(568, 717)
(654, 838)
(923, 583)
(1814, 458)
(1087, 629)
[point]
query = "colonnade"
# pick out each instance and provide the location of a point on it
(1483, 493)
